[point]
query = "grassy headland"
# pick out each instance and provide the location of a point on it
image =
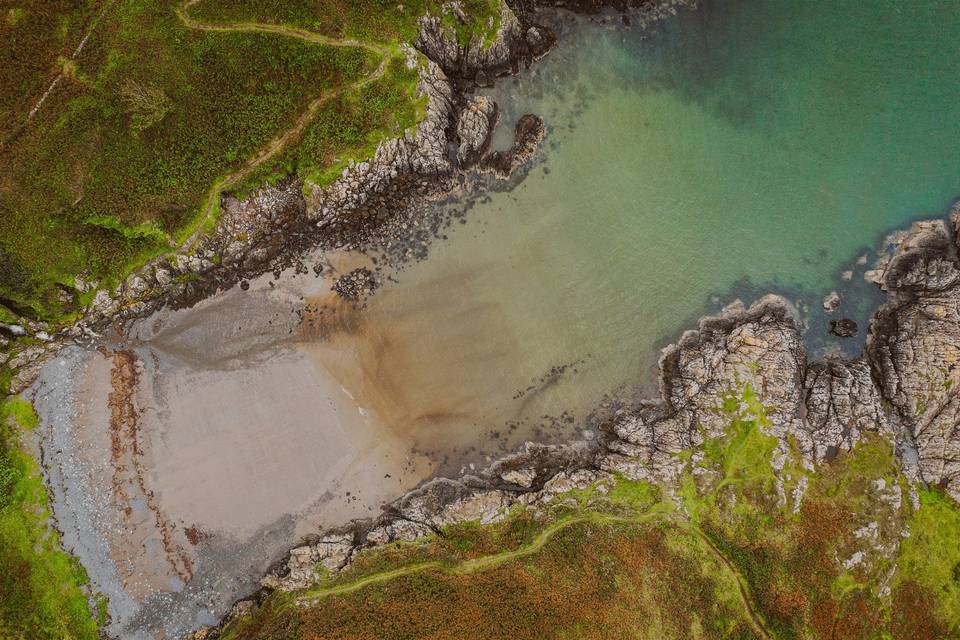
(153, 112)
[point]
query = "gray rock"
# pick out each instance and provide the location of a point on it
(242, 608)
(842, 402)
(831, 302)
(473, 129)
(520, 477)
(485, 507)
(924, 260)
(501, 55)
(759, 347)
(14, 330)
(915, 347)
(163, 276)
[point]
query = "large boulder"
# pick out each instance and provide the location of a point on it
(473, 129)
(915, 349)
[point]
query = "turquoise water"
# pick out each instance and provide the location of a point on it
(747, 146)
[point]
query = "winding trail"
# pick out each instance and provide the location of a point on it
(277, 144)
(473, 565)
(759, 625)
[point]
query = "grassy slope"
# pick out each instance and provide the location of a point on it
(83, 188)
(41, 593)
(96, 184)
(666, 573)
(347, 128)
(383, 21)
(350, 127)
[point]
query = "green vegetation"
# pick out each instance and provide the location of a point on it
(593, 578)
(383, 21)
(477, 18)
(167, 104)
(136, 135)
(734, 554)
(930, 558)
(347, 128)
(41, 587)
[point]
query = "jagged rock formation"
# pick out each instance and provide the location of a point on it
(473, 128)
(915, 346)
(526, 138)
(842, 402)
(513, 45)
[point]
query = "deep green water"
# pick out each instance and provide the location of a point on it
(748, 146)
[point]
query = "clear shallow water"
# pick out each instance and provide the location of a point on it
(748, 146)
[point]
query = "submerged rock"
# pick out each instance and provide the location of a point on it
(831, 302)
(843, 328)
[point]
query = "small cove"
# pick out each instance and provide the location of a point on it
(746, 147)
(741, 148)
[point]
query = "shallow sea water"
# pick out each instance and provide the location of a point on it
(745, 147)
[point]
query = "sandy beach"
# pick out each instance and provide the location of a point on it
(192, 452)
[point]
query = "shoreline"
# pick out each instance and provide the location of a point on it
(817, 408)
(485, 494)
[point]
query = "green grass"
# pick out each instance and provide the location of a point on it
(104, 174)
(116, 164)
(347, 128)
(382, 21)
(593, 578)
(41, 587)
(483, 20)
(930, 557)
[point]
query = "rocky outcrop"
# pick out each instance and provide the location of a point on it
(842, 403)
(480, 58)
(473, 128)
(527, 136)
(915, 349)
(308, 563)
(923, 259)
(421, 151)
